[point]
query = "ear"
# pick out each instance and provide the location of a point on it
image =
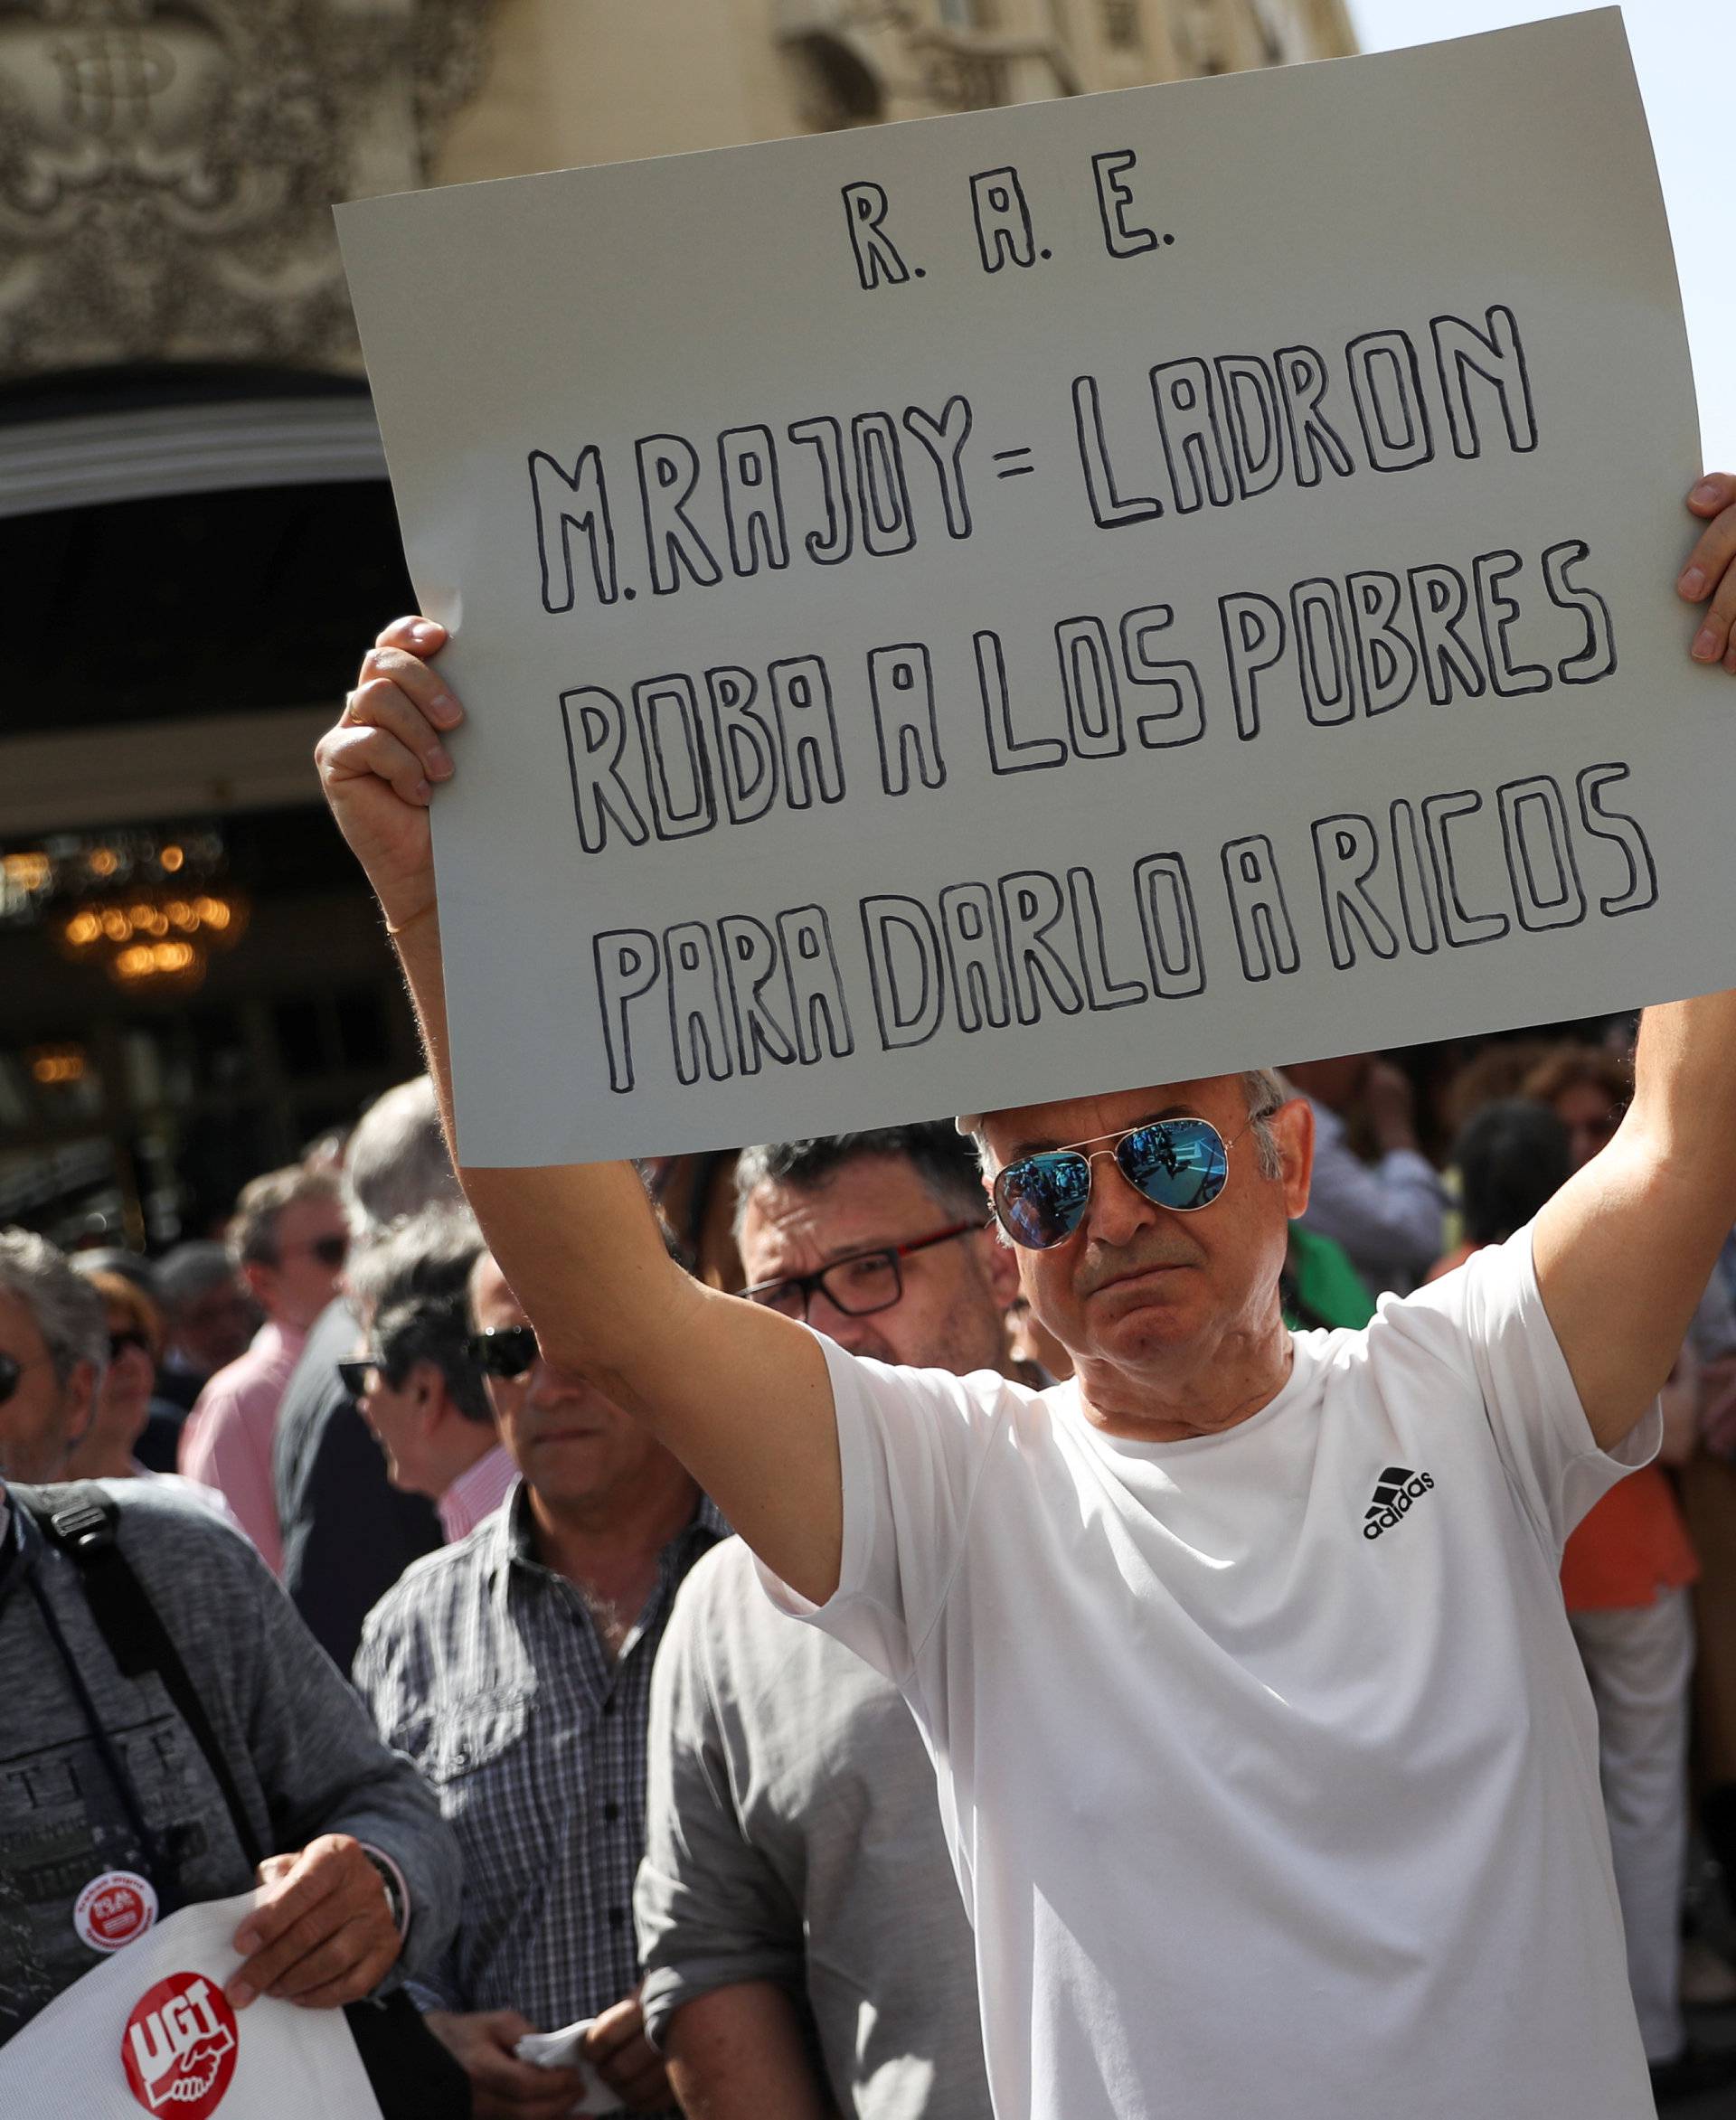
(1001, 1262)
(1293, 1126)
(79, 1400)
(260, 1280)
(425, 1387)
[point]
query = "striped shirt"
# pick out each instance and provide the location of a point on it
(477, 1492)
(484, 1666)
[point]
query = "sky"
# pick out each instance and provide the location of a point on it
(1684, 54)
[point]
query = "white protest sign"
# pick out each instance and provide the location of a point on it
(149, 2031)
(1055, 599)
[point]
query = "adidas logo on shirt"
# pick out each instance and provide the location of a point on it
(1395, 1492)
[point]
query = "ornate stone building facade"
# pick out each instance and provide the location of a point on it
(195, 528)
(167, 168)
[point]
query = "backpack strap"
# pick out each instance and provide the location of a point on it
(79, 1520)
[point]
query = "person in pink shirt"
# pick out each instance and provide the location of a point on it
(289, 1239)
(415, 1380)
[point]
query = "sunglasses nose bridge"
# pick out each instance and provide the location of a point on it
(1124, 1199)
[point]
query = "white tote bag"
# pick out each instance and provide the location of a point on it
(149, 2033)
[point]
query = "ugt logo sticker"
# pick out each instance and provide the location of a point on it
(179, 2047)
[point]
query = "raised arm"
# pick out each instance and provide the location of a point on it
(738, 1394)
(1625, 1250)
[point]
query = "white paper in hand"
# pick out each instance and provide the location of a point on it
(562, 2050)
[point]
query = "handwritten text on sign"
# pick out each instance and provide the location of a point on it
(1056, 599)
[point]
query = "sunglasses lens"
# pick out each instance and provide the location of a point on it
(10, 1372)
(1180, 1164)
(330, 1251)
(508, 1353)
(1041, 1199)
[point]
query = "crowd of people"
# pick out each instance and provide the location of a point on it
(705, 1833)
(1204, 1623)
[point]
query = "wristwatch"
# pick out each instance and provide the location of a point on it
(394, 1892)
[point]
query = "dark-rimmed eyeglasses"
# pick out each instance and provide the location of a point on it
(358, 1377)
(12, 1369)
(509, 1352)
(1180, 1165)
(858, 1284)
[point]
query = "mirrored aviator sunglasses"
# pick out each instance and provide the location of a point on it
(509, 1353)
(1180, 1164)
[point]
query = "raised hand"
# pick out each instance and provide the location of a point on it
(1709, 576)
(381, 762)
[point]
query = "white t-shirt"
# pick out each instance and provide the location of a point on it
(1266, 1759)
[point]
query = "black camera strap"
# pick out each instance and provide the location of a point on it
(79, 1520)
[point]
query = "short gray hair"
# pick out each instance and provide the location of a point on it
(412, 1286)
(252, 1232)
(1264, 1090)
(67, 1310)
(396, 1164)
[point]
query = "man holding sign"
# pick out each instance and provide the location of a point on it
(1265, 1759)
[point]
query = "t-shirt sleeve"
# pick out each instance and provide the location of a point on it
(1492, 1307)
(710, 1911)
(913, 1444)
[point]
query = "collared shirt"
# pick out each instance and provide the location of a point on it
(486, 1667)
(477, 1492)
(227, 1441)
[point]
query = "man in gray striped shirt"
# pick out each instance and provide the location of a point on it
(514, 1667)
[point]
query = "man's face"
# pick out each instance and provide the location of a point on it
(1140, 1287)
(575, 1447)
(216, 1326)
(951, 1313)
(311, 1241)
(43, 1418)
(398, 1416)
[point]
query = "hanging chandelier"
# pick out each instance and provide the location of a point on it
(146, 907)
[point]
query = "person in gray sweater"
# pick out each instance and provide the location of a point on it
(111, 1813)
(805, 1945)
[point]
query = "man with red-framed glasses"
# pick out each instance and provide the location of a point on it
(1264, 1754)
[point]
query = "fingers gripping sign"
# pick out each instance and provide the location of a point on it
(379, 765)
(321, 1932)
(1709, 576)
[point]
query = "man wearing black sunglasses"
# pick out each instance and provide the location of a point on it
(514, 1668)
(1267, 1763)
(163, 1779)
(289, 1239)
(52, 1352)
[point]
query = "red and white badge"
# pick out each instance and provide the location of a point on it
(115, 1909)
(179, 2047)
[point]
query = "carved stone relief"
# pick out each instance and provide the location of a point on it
(167, 168)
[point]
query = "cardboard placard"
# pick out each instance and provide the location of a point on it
(1055, 599)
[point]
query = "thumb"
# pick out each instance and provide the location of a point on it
(505, 2028)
